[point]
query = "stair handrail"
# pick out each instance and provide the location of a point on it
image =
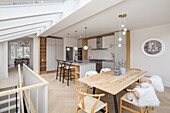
(20, 86)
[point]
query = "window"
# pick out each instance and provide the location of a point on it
(12, 52)
(26, 52)
(19, 52)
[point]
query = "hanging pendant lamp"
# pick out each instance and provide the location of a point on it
(122, 28)
(76, 48)
(85, 34)
(68, 48)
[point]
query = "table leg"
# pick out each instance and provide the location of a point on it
(94, 90)
(115, 102)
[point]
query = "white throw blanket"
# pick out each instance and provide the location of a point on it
(105, 70)
(146, 95)
(156, 82)
(90, 73)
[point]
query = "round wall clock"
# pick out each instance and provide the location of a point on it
(153, 47)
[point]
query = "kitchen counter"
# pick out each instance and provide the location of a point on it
(80, 64)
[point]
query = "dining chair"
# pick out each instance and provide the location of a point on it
(90, 103)
(135, 69)
(125, 99)
(90, 88)
(148, 81)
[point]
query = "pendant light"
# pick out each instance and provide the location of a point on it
(68, 48)
(76, 48)
(122, 28)
(85, 34)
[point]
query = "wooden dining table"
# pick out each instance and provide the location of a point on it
(113, 84)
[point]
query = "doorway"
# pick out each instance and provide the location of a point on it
(69, 54)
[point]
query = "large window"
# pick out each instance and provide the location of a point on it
(23, 52)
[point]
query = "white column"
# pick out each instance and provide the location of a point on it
(31, 53)
(36, 55)
(3, 60)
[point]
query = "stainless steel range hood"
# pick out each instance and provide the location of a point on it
(99, 44)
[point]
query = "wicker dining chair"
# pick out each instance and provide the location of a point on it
(90, 103)
(125, 99)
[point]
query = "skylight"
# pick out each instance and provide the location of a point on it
(31, 2)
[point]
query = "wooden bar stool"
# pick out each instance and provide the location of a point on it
(58, 68)
(61, 68)
(68, 68)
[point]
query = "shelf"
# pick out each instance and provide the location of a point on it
(43, 61)
(78, 73)
(43, 66)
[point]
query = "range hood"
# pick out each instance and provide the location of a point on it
(99, 44)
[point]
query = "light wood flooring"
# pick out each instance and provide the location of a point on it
(62, 98)
(12, 80)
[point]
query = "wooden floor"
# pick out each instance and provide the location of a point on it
(62, 98)
(12, 80)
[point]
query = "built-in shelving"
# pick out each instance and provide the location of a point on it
(43, 57)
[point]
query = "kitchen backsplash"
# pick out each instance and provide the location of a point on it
(101, 54)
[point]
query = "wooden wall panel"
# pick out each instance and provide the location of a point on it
(128, 49)
(84, 52)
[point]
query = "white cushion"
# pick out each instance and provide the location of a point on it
(71, 67)
(89, 102)
(105, 70)
(90, 73)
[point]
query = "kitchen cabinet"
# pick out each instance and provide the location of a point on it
(54, 51)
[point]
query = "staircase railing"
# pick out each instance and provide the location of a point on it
(33, 92)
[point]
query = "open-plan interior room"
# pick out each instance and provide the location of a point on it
(84, 56)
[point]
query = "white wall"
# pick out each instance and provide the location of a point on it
(31, 53)
(3, 60)
(154, 65)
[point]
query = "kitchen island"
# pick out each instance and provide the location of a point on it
(82, 68)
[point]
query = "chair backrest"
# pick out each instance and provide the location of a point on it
(105, 70)
(90, 73)
(81, 96)
(135, 69)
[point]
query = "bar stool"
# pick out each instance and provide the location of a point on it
(62, 71)
(59, 62)
(68, 76)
